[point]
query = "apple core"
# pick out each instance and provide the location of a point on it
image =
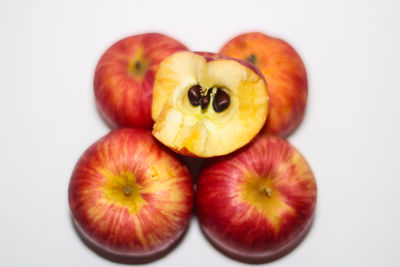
(198, 96)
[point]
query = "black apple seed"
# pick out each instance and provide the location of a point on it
(221, 100)
(194, 95)
(205, 100)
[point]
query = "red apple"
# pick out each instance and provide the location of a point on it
(124, 77)
(256, 204)
(129, 196)
(284, 72)
(205, 105)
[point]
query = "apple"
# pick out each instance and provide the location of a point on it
(130, 196)
(124, 78)
(257, 203)
(206, 105)
(284, 72)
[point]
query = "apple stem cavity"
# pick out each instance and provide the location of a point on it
(128, 190)
(137, 68)
(251, 59)
(268, 191)
(137, 65)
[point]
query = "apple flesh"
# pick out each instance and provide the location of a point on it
(124, 78)
(130, 196)
(206, 105)
(284, 72)
(257, 204)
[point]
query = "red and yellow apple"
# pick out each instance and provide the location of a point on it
(124, 78)
(257, 203)
(130, 196)
(206, 105)
(284, 72)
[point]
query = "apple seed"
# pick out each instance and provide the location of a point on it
(221, 100)
(205, 100)
(194, 95)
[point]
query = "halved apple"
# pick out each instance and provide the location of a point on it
(206, 105)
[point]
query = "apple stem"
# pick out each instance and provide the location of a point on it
(137, 65)
(251, 59)
(268, 191)
(127, 190)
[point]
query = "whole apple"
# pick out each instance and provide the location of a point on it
(206, 105)
(129, 196)
(257, 203)
(284, 72)
(124, 77)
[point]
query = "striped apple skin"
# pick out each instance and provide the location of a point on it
(210, 56)
(257, 203)
(123, 94)
(284, 72)
(130, 196)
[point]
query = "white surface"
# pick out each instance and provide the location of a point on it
(350, 135)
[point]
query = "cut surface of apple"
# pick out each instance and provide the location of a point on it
(207, 106)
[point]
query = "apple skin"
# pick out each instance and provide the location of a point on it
(123, 90)
(241, 216)
(285, 73)
(210, 56)
(129, 196)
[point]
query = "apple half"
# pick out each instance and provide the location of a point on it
(257, 203)
(206, 105)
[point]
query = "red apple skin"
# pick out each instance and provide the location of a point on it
(124, 93)
(285, 73)
(238, 216)
(152, 217)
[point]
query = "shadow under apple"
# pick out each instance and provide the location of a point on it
(249, 260)
(122, 258)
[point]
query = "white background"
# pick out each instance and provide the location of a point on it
(350, 134)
